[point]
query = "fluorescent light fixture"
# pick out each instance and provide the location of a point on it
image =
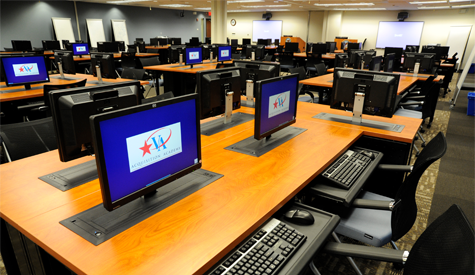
(345, 9)
(244, 1)
(176, 6)
(203, 9)
(427, 2)
(358, 4)
(238, 10)
(328, 5)
(454, 1)
(372, 9)
(277, 9)
(126, 1)
(431, 8)
(463, 6)
(267, 6)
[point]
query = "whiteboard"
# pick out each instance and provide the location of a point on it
(63, 29)
(119, 30)
(95, 31)
(457, 40)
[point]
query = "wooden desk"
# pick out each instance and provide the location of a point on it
(87, 57)
(158, 47)
(37, 89)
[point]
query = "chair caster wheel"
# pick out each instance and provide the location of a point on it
(429, 125)
(398, 266)
(423, 144)
(422, 130)
(416, 138)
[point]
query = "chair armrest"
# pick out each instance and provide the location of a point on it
(310, 94)
(43, 108)
(374, 204)
(411, 103)
(415, 97)
(367, 252)
(396, 167)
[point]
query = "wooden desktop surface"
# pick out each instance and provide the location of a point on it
(158, 47)
(405, 81)
(192, 234)
(87, 57)
(206, 65)
(37, 89)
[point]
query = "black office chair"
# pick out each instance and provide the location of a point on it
(303, 88)
(311, 65)
(151, 75)
(286, 61)
(128, 60)
(445, 247)
(25, 139)
(236, 56)
(377, 220)
(268, 57)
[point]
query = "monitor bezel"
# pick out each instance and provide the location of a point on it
(95, 121)
(190, 49)
(74, 49)
(257, 118)
(229, 58)
(28, 82)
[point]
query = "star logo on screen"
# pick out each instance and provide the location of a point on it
(279, 101)
(278, 104)
(146, 148)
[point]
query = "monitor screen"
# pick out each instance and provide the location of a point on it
(193, 56)
(80, 48)
(246, 41)
(354, 46)
(292, 47)
(412, 48)
(112, 47)
(276, 105)
(319, 48)
(398, 34)
(50, 45)
(234, 42)
(375, 63)
(224, 53)
(22, 45)
(138, 153)
(25, 70)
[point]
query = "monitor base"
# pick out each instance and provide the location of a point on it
(73, 176)
(256, 148)
(66, 78)
(99, 83)
(364, 122)
(97, 225)
(190, 68)
(215, 126)
(246, 103)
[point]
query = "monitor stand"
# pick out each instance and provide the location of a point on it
(256, 148)
(97, 224)
(357, 117)
(228, 121)
(191, 67)
(73, 176)
(249, 102)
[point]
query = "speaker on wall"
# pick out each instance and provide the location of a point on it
(267, 16)
(402, 15)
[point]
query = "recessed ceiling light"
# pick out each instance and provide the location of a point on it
(238, 10)
(126, 1)
(277, 9)
(176, 6)
(358, 4)
(427, 2)
(244, 1)
(345, 9)
(327, 5)
(204, 9)
(431, 8)
(463, 6)
(267, 6)
(372, 9)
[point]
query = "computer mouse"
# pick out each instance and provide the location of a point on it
(299, 217)
(368, 154)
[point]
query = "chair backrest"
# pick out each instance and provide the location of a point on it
(149, 61)
(404, 216)
(137, 74)
(268, 57)
(127, 60)
(152, 50)
(321, 68)
(430, 100)
(300, 71)
(50, 87)
(445, 247)
(236, 56)
(25, 139)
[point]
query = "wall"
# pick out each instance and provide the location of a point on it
(31, 20)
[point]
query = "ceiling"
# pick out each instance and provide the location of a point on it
(295, 5)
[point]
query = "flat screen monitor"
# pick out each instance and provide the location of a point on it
(174, 53)
(308, 49)
(426, 61)
(25, 70)
(65, 43)
(411, 49)
(51, 45)
(246, 41)
(388, 63)
(331, 47)
(207, 50)
(258, 50)
(398, 34)
(110, 47)
(319, 48)
(379, 91)
(163, 41)
(121, 45)
(354, 46)
(341, 60)
(138, 39)
(212, 87)
(154, 41)
(234, 42)
(22, 45)
(80, 48)
(140, 46)
(193, 56)
(194, 41)
(292, 47)
(397, 57)
(276, 105)
(441, 52)
(71, 109)
(175, 41)
(66, 59)
(105, 61)
(134, 159)
(375, 63)
(208, 40)
(276, 42)
(355, 57)
(224, 53)
(368, 55)
(256, 70)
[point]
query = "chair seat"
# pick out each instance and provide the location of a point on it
(367, 225)
(408, 113)
(415, 107)
(305, 99)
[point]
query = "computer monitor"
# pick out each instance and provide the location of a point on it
(411, 49)
(341, 60)
(121, 45)
(51, 45)
(397, 57)
(308, 49)
(140, 46)
(105, 61)
(134, 159)
(234, 42)
(388, 62)
(153, 41)
(22, 45)
(174, 52)
(174, 41)
(375, 63)
(292, 47)
(441, 52)
(208, 40)
(368, 55)
(163, 41)
(66, 59)
(258, 50)
(355, 58)
(193, 56)
(25, 70)
(331, 47)
(110, 47)
(138, 39)
(256, 70)
(276, 42)
(71, 109)
(80, 48)
(364, 92)
(246, 41)
(319, 48)
(425, 60)
(354, 46)
(224, 53)
(194, 41)
(65, 43)
(265, 42)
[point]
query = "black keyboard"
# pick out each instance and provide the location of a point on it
(264, 253)
(347, 168)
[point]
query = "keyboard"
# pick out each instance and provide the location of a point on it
(347, 168)
(264, 253)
